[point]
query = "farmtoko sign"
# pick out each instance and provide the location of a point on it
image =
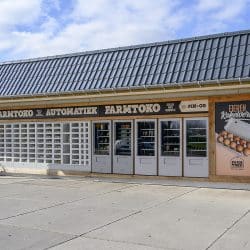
(156, 108)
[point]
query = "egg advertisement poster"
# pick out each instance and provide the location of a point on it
(232, 130)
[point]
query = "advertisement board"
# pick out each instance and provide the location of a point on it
(136, 109)
(232, 130)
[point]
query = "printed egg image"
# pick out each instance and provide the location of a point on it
(237, 139)
(246, 151)
(230, 136)
(236, 136)
(233, 145)
(239, 148)
(224, 134)
(243, 142)
(227, 142)
(220, 139)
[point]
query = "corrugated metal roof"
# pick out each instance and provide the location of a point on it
(194, 60)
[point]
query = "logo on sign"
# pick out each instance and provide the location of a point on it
(194, 106)
(237, 163)
(170, 107)
(39, 112)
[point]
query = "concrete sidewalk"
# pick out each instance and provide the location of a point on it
(105, 213)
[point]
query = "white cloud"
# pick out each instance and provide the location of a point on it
(125, 22)
(18, 12)
(219, 15)
(230, 9)
(101, 24)
(222, 9)
(50, 26)
(207, 5)
(90, 8)
(12, 16)
(29, 28)
(55, 4)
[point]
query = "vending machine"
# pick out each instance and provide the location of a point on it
(146, 150)
(196, 147)
(101, 157)
(170, 147)
(123, 147)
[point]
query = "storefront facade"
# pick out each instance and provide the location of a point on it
(194, 130)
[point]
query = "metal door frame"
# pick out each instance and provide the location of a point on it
(93, 142)
(132, 141)
(204, 118)
(181, 142)
(155, 145)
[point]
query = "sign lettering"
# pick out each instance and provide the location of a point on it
(160, 108)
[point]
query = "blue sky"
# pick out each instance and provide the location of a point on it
(35, 28)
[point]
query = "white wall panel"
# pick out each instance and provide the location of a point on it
(43, 144)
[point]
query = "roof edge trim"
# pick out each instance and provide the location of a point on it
(199, 84)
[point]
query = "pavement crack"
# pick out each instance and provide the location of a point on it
(96, 228)
(62, 203)
(35, 210)
(170, 199)
(228, 229)
(128, 242)
(122, 218)
(112, 222)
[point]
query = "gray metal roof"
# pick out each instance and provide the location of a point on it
(195, 60)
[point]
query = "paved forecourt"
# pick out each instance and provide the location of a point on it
(104, 213)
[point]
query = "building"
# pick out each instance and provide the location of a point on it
(175, 108)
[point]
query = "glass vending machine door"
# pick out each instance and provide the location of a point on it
(102, 143)
(101, 147)
(170, 163)
(145, 162)
(196, 147)
(123, 160)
